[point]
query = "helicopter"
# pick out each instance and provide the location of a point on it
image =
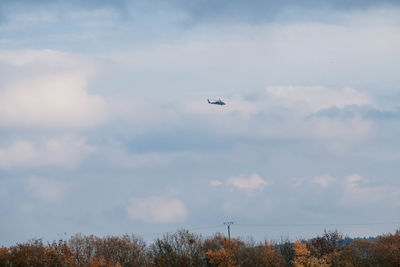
(216, 102)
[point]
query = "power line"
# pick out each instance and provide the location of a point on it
(315, 224)
(228, 224)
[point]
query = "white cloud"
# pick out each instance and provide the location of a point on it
(51, 93)
(315, 98)
(352, 181)
(155, 209)
(119, 157)
(65, 151)
(250, 183)
(47, 190)
(301, 100)
(287, 112)
(295, 57)
(357, 191)
(242, 57)
(143, 113)
(215, 183)
(20, 153)
(324, 180)
(352, 129)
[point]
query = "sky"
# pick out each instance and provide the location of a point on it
(105, 127)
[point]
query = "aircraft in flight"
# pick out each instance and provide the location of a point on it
(216, 102)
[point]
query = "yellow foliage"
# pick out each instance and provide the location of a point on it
(317, 262)
(302, 254)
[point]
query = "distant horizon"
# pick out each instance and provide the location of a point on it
(155, 236)
(151, 237)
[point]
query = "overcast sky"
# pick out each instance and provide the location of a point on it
(105, 128)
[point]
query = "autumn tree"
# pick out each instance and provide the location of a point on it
(356, 253)
(305, 259)
(214, 242)
(61, 247)
(108, 251)
(328, 243)
(225, 256)
(222, 252)
(387, 250)
(4, 257)
(34, 253)
(268, 255)
(287, 251)
(251, 253)
(187, 249)
(302, 254)
(179, 249)
(83, 248)
(126, 250)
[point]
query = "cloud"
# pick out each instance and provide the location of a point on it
(289, 112)
(268, 11)
(242, 183)
(147, 151)
(52, 92)
(142, 112)
(300, 100)
(65, 151)
(250, 183)
(315, 98)
(156, 209)
(342, 130)
(206, 11)
(250, 56)
(357, 191)
(247, 184)
(324, 180)
(47, 190)
(215, 183)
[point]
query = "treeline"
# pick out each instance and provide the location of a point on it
(184, 248)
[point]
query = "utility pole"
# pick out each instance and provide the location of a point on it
(229, 229)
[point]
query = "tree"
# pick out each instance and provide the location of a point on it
(326, 244)
(4, 257)
(126, 250)
(34, 253)
(83, 248)
(179, 249)
(268, 255)
(224, 257)
(287, 251)
(302, 254)
(387, 250)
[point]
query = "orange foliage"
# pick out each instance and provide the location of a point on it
(224, 257)
(4, 257)
(302, 254)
